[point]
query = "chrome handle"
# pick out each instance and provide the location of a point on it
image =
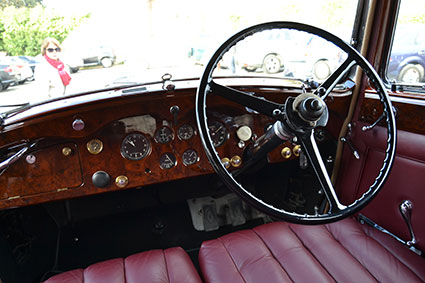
(351, 146)
(406, 211)
(380, 118)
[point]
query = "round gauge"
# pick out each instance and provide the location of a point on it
(190, 157)
(164, 135)
(185, 132)
(95, 146)
(135, 146)
(218, 133)
(167, 161)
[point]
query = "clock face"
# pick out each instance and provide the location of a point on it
(135, 146)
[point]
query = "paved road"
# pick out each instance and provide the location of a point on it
(83, 80)
(98, 78)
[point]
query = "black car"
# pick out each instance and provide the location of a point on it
(8, 75)
(407, 60)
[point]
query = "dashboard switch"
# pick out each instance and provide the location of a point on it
(244, 133)
(78, 125)
(286, 152)
(236, 161)
(226, 162)
(101, 179)
(121, 181)
(66, 151)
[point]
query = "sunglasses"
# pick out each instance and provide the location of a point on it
(57, 49)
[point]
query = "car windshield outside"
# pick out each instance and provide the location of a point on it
(108, 44)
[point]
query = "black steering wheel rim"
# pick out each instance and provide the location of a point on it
(354, 58)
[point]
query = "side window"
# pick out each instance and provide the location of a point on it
(406, 63)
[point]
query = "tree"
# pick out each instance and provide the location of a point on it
(23, 29)
(20, 3)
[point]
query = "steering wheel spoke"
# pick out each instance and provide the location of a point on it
(311, 150)
(329, 84)
(260, 105)
(298, 117)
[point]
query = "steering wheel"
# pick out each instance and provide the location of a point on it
(296, 119)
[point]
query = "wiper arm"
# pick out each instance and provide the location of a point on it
(16, 156)
(6, 114)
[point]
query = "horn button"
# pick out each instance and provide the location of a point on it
(306, 111)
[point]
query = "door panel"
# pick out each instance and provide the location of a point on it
(405, 182)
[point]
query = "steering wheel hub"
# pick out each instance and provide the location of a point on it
(297, 118)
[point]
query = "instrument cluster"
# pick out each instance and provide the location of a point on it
(136, 145)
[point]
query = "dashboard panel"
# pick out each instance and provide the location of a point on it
(129, 142)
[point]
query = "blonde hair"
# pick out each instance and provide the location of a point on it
(46, 43)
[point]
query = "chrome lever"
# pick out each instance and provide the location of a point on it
(380, 118)
(351, 146)
(406, 211)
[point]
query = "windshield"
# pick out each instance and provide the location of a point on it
(107, 44)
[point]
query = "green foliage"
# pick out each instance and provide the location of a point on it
(19, 3)
(22, 30)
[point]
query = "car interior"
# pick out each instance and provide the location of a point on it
(260, 177)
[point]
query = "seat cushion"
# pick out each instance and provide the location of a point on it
(171, 265)
(345, 251)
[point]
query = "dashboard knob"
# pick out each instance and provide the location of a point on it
(78, 125)
(121, 181)
(101, 179)
(286, 152)
(244, 133)
(296, 150)
(236, 161)
(66, 151)
(226, 162)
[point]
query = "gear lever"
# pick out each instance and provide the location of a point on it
(406, 211)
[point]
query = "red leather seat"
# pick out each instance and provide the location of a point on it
(170, 265)
(345, 251)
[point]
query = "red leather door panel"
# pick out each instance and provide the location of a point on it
(405, 182)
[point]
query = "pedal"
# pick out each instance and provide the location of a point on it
(210, 217)
(236, 213)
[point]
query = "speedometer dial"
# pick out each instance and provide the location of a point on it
(218, 133)
(135, 146)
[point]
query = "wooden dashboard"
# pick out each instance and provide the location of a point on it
(76, 143)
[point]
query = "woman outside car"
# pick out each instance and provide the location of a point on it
(51, 74)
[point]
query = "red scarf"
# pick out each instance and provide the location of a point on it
(65, 77)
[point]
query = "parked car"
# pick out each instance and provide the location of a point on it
(296, 54)
(23, 67)
(407, 60)
(188, 175)
(98, 55)
(31, 61)
(8, 74)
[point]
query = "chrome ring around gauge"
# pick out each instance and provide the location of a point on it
(185, 132)
(190, 157)
(135, 146)
(164, 135)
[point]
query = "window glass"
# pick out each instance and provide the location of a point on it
(110, 43)
(407, 58)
